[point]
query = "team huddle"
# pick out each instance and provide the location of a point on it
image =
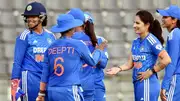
(70, 68)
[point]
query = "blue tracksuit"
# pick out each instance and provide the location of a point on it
(86, 73)
(29, 60)
(65, 58)
(172, 71)
(99, 75)
(145, 53)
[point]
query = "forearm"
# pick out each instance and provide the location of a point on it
(16, 71)
(169, 71)
(164, 60)
(42, 86)
(128, 65)
(159, 67)
(102, 64)
(96, 57)
(125, 67)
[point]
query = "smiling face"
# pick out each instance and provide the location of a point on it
(139, 26)
(167, 21)
(32, 21)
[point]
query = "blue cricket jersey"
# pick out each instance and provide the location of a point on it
(99, 74)
(87, 71)
(29, 51)
(64, 60)
(173, 49)
(145, 53)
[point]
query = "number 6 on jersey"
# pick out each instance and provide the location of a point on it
(58, 71)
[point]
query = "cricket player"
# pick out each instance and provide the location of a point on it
(89, 38)
(145, 51)
(65, 57)
(100, 91)
(170, 89)
(30, 47)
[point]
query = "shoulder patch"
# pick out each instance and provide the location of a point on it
(159, 47)
(24, 34)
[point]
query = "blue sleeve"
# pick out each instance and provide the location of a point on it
(46, 68)
(156, 46)
(103, 62)
(173, 51)
(90, 59)
(19, 52)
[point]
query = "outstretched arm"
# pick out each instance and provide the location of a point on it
(124, 67)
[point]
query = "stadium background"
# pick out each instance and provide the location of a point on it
(113, 21)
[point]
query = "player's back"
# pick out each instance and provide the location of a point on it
(65, 62)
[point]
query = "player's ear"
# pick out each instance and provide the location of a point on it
(147, 25)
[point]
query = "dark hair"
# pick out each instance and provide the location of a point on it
(155, 27)
(63, 33)
(178, 24)
(89, 30)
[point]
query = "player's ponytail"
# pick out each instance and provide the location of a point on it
(154, 25)
(156, 30)
(89, 30)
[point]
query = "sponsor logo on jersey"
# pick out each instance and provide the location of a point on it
(39, 49)
(138, 57)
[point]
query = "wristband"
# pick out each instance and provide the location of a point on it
(41, 94)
